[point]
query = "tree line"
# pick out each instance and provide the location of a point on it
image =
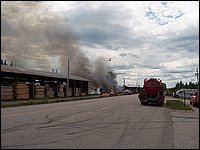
(181, 85)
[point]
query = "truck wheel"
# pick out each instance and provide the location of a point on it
(144, 103)
(160, 104)
(190, 102)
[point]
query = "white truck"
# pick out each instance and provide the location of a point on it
(188, 93)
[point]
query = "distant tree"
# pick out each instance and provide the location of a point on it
(181, 85)
(11, 64)
(186, 85)
(177, 87)
(5, 62)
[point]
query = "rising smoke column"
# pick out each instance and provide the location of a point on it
(34, 35)
(104, 75)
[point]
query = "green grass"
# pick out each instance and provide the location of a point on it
(45, 101)
(177, 105)
(33, 102)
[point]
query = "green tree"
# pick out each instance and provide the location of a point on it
(181, 85)
(186, 85)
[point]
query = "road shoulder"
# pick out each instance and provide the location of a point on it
(186, 127)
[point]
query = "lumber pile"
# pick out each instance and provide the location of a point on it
(77, 92)
(39, 91)
(49, 91)
(7, 93)
(61, 90)
(21, 91)
(69, 91)
(83, 94)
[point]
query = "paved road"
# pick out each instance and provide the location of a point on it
(107, 123)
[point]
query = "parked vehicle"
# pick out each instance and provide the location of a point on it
(153, 92)
(187, 93)
(113, 93)
(127, 92)
(105, 93)
(194, 99)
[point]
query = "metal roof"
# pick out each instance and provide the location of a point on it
(12, 69)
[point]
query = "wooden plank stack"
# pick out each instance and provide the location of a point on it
(50, 92)
(39, 91)
(21, 91)
(60, 94)
(60, 90)
(83, 94)
(7, 93)
(77, 92)
(69, 91)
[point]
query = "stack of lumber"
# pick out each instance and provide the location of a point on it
(77, 92)
(7, 93)
(60, 94)
(50, 92)
(61, 91)
(21, 91)
(39, 91)
(83, 94)
(69, 91)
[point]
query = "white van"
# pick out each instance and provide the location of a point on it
(188, 93)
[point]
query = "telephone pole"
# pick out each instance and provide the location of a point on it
(67, 79)
(124, 83)
(197, 74)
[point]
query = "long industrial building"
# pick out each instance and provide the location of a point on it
(20, 83)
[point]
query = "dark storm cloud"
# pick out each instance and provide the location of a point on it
(122, 54)
(187, 40)
(133, 55)
(98, 26)
(111, 37)
(7, 29)
(124, 67)
(180, 71)
(129, 55)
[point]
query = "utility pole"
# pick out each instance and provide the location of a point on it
(124, 83)
(67, 79)
(197, 74)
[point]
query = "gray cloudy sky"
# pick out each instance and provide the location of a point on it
(146, 39)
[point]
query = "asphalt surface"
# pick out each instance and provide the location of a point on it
(106, 123)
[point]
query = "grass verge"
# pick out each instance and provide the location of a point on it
(177, 105)
(45, 101)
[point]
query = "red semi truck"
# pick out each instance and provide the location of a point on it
(153, 92)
